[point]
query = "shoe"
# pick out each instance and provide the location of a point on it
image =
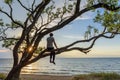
(53, 62)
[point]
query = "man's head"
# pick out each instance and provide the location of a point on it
(51, 34)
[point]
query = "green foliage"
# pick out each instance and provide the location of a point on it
(98, 76)
(109, 2)
(90, 2)
(39, 49)
(58, 12)
(8, 1)
(70, 7)
(106, 76)
(8, 43)
(98, 18)
(91, 31)
(2, 76)
(108, 19)
(1, 22)
(13, 25)
(0, 8)
(7, 24)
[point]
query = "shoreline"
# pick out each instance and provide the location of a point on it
(44, 77)
(40, 77)
(91, 76)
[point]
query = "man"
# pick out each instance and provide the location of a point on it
(50, 47)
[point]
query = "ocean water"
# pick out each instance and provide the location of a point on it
(66, 66)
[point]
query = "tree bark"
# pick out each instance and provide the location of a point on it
(14, 74)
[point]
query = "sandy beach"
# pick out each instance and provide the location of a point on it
(44, 77)
(91, 76)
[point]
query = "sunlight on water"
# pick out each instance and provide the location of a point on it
(30, 68)
(72, 66)
(41, 66)
(27, 69)
(66, 66)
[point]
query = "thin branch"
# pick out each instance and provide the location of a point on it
(111, 36)
(41, 8)
(33, 5)
(74, 17)
(60, 50)
(11, 10)
(41, 20)
(4, 38)
(67, 48)
(77, 8)
(33, 60)
(38, 11)
(104, 30)
(24, 6)
(11, 18)
(99, 5)
(62, 24)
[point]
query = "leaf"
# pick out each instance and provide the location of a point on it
(1, 22)
(0, 8)
(8, 1)
(8, 43)
(7, 25)
(13, 25)
(39, 49)
(70, 7)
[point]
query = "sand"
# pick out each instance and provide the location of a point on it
(44, 77)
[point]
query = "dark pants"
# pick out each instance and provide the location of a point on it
(52, 54)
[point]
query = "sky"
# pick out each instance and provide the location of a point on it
(70, 33)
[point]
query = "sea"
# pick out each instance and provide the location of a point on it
(66, 66)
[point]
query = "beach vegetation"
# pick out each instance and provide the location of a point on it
(98, 76)
(2, 76)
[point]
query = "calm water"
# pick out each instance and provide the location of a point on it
(67, 66)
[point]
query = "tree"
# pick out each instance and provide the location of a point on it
(35, 27)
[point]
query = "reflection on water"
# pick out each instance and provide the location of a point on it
(73, 66)
(28, 69)
(40, 67)
(67, 66)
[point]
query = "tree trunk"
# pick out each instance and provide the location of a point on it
(14, 74)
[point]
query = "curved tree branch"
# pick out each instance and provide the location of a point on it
(33, 5)
(37, 12)
(70, 48)
(24, 6)
(12, 18)
(99, 5)
(3, 38)
(62, 24)
(11, 10)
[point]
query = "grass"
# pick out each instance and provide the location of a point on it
(92, 76)
(98, 76)
(2, 76)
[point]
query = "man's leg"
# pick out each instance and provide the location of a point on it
(53, 54)
(50, 57)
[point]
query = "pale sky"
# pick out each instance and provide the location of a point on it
(72, 32)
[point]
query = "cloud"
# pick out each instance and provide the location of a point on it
(3, 51)
(85, 16)
(73, 37)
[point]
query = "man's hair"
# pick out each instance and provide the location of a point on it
(51, 34)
